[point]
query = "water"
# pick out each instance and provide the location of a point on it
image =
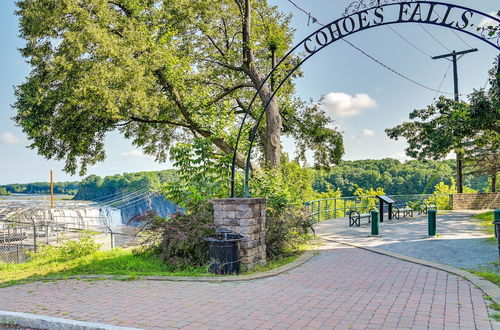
(80, 214)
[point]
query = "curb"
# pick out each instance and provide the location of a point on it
(486, 286)
(49, 322)
(303, 258)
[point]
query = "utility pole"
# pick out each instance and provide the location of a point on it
(51, 190)
(460, 155)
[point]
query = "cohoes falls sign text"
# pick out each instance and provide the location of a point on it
(446, 15)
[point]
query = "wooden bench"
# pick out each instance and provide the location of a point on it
(355, 217)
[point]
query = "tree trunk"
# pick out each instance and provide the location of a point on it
(494, 182)
(460, 156)
(271, 137)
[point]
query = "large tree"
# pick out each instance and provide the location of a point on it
(435, 131)
(447, 126)
(159, 72)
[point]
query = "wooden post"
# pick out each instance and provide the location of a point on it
(51, 190)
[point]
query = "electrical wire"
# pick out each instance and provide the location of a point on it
(111, 195)
(409, 42)
(433, 37)
(442, 81)
(315, 20)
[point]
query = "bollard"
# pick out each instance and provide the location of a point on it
(431, 222)
(375, 223)
(496, 218)
(496, 223)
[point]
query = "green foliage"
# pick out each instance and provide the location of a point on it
(394, 177)
(4, 192)
(443, 191)
(116, 262)
(287, 229)
(93, 186)
(485, 220)
(159, 72)
(202, 173)
(178, 240)
(67, 188)
(436, 130)
(68, 250)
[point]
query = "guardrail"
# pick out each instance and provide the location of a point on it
(19, 238)
(333, 208)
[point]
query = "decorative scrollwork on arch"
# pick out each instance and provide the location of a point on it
(359, 5)
(490, 33)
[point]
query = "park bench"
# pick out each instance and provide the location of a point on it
(424, 207)
(355, 217)
(402, 211)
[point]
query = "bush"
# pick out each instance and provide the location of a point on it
(287, 228)
(69, 250)
(178, 240)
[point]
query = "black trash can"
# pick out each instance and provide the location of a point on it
(224, 252)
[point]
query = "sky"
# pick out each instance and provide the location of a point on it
(362, 97)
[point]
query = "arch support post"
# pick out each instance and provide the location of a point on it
(247, 217)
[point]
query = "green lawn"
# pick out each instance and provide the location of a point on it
(485, 219)
(121, 262)
(116, 262)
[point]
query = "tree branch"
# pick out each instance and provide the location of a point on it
(227, 92)
(225, 65)
(158, 121)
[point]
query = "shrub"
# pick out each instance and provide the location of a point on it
(178, 240)
(68, 250)
(287, 228)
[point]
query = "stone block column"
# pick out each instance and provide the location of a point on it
(247, 217)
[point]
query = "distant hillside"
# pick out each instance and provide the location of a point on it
(395, 177)
(66, 188)
(94, 187)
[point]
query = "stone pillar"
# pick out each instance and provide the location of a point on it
(245, 216)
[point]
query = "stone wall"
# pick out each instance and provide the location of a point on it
(245, 216)
(481, 201)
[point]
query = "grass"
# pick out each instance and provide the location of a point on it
(120, 263)
(485, 219)
(490, 276)
(116, 262)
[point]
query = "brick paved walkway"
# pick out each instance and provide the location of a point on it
(341, 287)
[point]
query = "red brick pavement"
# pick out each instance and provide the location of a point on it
(340, 288)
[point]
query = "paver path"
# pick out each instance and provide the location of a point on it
(341, 287)
(461, 243)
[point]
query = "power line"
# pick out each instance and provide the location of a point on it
(315, 20)
(454, 32)
(442, 81)
(433, 37)
(409, 42)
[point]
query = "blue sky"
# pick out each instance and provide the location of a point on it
(363, 97)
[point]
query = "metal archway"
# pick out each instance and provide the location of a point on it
(362, 15)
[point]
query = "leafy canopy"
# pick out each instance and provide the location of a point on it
(160, 72)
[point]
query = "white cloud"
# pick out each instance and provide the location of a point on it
(488, 21)
(9, 138)
(345, 105)
(132, 153)
(368, 132)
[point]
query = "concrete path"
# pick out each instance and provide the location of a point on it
(341, 287)
(461, 242)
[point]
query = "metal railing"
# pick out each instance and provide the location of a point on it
(18, 239)
(334, 208)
